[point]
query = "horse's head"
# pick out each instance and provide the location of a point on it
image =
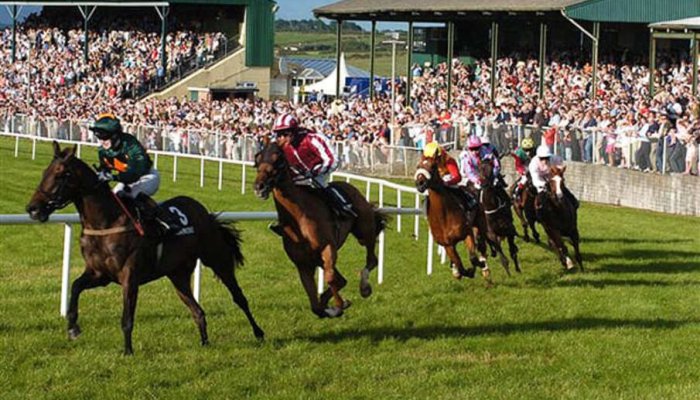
(271, 166)
(62, 183)
(556, 182)
(426, 172)
(486, 172)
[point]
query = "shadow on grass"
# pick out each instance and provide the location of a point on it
(653, 261)
(631, 240)
(436, 332)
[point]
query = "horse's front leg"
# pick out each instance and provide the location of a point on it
(306, 275)
(559, 246)
(89, 279)
(575, 240)
(329, 256)
(458, 270)
(130, 291)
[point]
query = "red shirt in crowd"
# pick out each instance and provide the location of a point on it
(310, 155)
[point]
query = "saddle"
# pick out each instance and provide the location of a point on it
(157, 221)
(336, 199)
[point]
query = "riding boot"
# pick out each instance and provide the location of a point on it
(469, 199)
(151, 211)
(539, 205)
(340, 202)
(276, 228)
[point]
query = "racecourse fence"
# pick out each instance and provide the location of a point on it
(384, 190)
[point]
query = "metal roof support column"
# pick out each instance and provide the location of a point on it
(338, 34)
(494, 58)
(695, 65)
(543, 57)
(652, 61)
(372, 44)
(86, 12)
(594, 78)
(409, 61)
(14, 12)
(450, 56)
(163, 14)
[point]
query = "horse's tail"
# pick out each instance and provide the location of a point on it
(380, 220)
(232, 237)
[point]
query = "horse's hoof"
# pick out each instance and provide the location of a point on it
(259, 334)
(457, 274)
(128, 352)
(365, 290)
(569, 264)
(527, 239)
(346, 304)
(205, 342)
(73, 333)
(333, 312)
(469, 273)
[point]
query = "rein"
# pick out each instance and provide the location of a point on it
(137, 224)
(501, 204)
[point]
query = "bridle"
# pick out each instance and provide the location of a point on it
(57, 198)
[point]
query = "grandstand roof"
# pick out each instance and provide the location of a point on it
(421, 9)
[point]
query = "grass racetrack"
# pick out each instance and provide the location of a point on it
(627, 328)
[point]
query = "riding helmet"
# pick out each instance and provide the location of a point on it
(527, 143)
(432, 149)
(285, 122)
(107, 126)
(474, 142)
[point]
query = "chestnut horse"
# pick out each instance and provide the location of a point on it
(559, 219)
(450, 221)
(113, 252)
(499, 218)
(524, 207)
(312, 234)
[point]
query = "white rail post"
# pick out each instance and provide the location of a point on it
(201, 172)
(430, 253)
(34, 148)
(16, 146)
(175, 168)
(243, 180)
(416, 219)
(320, 280)
(398, 205)
(221, 173)
(155, 160)
(197, 279)
(664, 159)
(367, 190)
(65, 272)
(79, 147)
(443, 253)
(380, 267)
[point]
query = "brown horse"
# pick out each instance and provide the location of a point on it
(113, 252)
(524, 207)
(311, 232)
(559, 219)
(451, 221)
(499, 219)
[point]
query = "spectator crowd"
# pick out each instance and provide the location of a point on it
(623, 126)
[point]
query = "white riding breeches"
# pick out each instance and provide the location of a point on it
(147, 184)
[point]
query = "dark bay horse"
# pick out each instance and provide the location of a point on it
(524, 207)
(113, 252)
(312, 234)
(451, 222)
(559, 219)
(499, 219)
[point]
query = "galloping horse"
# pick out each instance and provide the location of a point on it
(312, 234)
(114, 253)
(451, 222)
(524, 207)
(559, 219)
(499, 218)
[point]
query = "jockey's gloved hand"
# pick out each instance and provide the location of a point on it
(105, 176)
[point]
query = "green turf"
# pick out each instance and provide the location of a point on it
(627, 328)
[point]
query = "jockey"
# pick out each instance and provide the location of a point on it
(124, 160)
(311, 160)
(522, 156)
(489, 151)
(449, 171)
(469, 160)
(540, 172)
